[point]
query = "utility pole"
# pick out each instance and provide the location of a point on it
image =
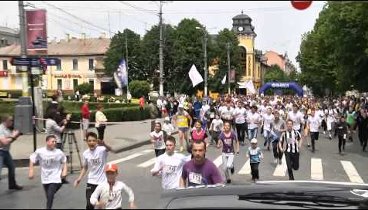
(205, 63)
(126, 58)
(23, 47)
(161, 56)
(228, 67)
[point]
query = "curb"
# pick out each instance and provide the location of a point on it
(21, 163)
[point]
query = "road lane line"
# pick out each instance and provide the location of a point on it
(351, 172)
(147, 163)
(130, 156)
(280, 170)
(246, 168)
(218, 161)
(316, 169)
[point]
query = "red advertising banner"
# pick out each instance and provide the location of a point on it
(36, 31)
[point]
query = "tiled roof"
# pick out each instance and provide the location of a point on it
(88, 46)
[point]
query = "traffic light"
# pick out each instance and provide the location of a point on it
(43, 64)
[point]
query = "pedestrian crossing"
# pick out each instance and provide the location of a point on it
(317, 165)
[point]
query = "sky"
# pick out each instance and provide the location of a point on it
(278, 25)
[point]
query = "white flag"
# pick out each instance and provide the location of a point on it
(223, 80)
(195, 76)
(250, 87)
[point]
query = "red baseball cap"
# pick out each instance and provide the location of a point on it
(111, 167)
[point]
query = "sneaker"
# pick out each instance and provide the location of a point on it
(308, 145)
(16, 187)
(232, 170)
(324, 132)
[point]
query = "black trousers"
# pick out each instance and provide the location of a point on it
(89, 190)
(101, 132)
(50, 190)
(7, 160)
(159, 152)
(341, 142)
(240, 129)
(292, 162)
(254, 170)
(314, 137)
(276, 153)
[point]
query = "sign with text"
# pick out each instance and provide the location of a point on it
(36, 31)
(4, 74)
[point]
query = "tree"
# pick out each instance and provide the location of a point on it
(275, 74)
(139, 88)
(117, 51)
(85, 88)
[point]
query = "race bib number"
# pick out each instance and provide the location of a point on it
(168, 169)
(159, 143)
(195, 178)
(228, 141)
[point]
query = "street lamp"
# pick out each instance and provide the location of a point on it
(203, 29)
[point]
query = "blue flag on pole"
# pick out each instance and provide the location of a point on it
(121, 75)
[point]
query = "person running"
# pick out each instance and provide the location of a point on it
(199, 170)
(168, 127)
(100, 122)
(240, 115)
(94, 160)
(313, 125)
(198, 133)
(267, 120)
(230, 145)
(278, 128)
(330, 120)
(290, 144)
(216, 128)
(362, 124)
(108, 195)
(298, 119)
(255, 155)
(253, 120)
(182, 120)
(341, 131)
(53, 167)
(169, 166)
(158, 137)
(350, 120)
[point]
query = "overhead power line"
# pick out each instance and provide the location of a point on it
(152, 12)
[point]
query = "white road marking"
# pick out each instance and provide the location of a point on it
(246, 168)
(131, 156)
(280, 170)
(316, 169)
(218, 161)
(351, 172)
(147, 163)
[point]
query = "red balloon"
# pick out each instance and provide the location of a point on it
(301, 5)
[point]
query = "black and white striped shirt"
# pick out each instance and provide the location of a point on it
(292, 139)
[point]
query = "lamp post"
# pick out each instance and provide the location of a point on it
(205, 58)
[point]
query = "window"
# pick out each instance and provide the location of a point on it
(75, 83)
(5, 64)
(90, 64)
(92, 82)
(58, 67)
(75, 64)
(59, 84)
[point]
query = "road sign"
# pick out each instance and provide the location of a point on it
(35, 71)
(34, 62)
(52, 61)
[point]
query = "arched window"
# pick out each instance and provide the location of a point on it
(243, 59)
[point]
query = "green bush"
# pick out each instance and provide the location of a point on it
(85, 88)
(139, 88)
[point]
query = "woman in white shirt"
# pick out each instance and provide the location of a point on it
(100, 122)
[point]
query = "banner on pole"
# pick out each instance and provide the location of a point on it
(36, 31)
(232, 76)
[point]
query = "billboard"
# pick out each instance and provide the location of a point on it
(36, 31)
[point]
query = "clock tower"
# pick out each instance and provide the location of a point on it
(242, 26)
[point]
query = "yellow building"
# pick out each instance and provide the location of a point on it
(81, 62)
(252, 60)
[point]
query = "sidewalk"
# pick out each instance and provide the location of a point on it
(122, 137)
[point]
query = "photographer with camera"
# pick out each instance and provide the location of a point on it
(52, 127)
(8, 136)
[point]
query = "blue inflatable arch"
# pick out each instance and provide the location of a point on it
(282, 85)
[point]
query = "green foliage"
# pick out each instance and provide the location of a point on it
(333, 56)
(139, 88)
(275, 74)
(85, 88)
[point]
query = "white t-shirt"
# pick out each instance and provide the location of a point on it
(159, 139)
(217, 124)
(253, 119)
(113, 198)
(267, 121)
(297, 119)
(95, 161)
(51, 162)
(314, 123)
(172, 167)
(240, 114)
(168, 128)
(227, 114)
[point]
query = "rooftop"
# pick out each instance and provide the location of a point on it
(8, 30)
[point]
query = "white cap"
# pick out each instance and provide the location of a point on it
(181, 106)
(253, 141)
(167, 119)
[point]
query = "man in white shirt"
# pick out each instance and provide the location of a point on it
(297, 117)
(53, 168)
(108, 195)
(253, 120)
(169, 165)
(313, 124)
(268, 120)
(94, 160)
(240, 115)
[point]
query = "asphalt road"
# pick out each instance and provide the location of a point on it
(325, 164)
